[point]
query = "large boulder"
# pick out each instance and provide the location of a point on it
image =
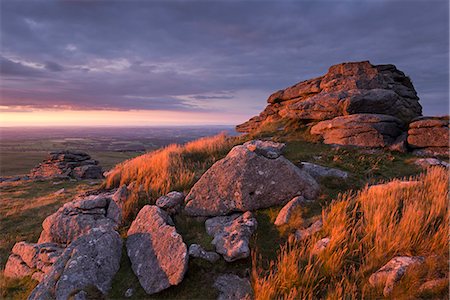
(158, 255)
(232, 234)
(68, 163)
(76, 218)
(86, 268)
(429, 135)
(347, 88)
(250, 177)
(366, 130)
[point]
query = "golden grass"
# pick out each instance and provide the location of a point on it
(175, 167)
(367, 228)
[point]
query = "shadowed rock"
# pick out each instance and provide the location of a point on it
(317, 171)
(171, 202)
(247, 180)
(233, 287)
(158, 255)
(365, 130)
(232, 234)
(388, 275)
(347, 88)
(85, 268)
(197, 251)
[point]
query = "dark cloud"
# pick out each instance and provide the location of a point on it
(188, 55)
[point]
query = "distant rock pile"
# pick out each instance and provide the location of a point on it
(68, 163)
(358, 104)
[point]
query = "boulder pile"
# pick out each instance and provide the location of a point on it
(358, 104)
(68, 164)
(78, 252)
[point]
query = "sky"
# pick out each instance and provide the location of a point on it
(138, 63)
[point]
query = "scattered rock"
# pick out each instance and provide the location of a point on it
(59, 192)
(268, 149)
(233, 287)
(158, 255)
(232, 234)
(317, 171)
(365, 130)
(70, 163)
(86, 266)
(431, 162)
(347, 88)
(285, 213)
(197, 251)
(129, 293)
(430, 286)
(320, 245)
(301, 234)
(171, 202)
(245, 180)
(388, 275)
(76, 218)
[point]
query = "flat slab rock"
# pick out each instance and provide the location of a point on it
(247, 179)
(232, 234)
(364, 130)
(158, 255)
(233, 287)
(85, 268)
(318, 171)
(388, 275)
(428, 132)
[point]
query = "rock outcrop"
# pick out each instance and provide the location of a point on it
(77, 255)
(347, 88)
(232, 234)
(388, 275)
(429, 136)
(366, 130)
(86, 267)
(233, 287)
(250, 177)
(32, 259)
(158, 255)
(69, 163)
(76, 218)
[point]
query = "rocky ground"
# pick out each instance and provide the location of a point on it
(358, 125)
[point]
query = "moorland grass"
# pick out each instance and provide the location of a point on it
(367, 228)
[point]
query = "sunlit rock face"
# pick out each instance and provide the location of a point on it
(347, 88)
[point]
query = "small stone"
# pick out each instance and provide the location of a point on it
(197, 251)
(286, 212)
(320, 245)
(129, 292)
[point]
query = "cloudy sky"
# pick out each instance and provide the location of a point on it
(202, 62)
